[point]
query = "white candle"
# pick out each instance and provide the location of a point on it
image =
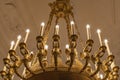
(67, 46)
(88, 31)
(101, 76)
(42, 28)
(17, 42)
(27, 34)
(46, 47)
(68, 58)
(12, 45)
(57, 29)
(99, 35)
(8, 56)
(72, 27)
(107, 46)
(109, 52)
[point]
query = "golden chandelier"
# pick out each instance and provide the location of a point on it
(36, 65)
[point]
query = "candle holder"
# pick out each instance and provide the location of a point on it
(27, 56)
(56, 52)
(42, 53)
(67, 51)
(97, 59)
(86, 54)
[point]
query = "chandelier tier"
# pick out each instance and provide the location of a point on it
(37, 64)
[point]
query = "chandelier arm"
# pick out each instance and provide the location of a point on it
(47, 29)
(56, 49)
(115, 73)
(42, 52)
(25, 52)
(40, 62)
(11, 73)
(17, 62)
(97, 69)
(3, 73)
(100, 53)
(6, 75)
(72, 58)
(17, 65)
(85, 65)
(10, 68)
(73, 44)
(34, 59)
(25, 62)
(107, 73)
(67, 51)
(7, 63)
(86, 52)
(109, 62)
(6, 78)
(55, 60)
(18, 74)
(88, 48)
(105, 66)
(27, 56)
(97, 58)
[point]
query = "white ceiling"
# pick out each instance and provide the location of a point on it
(18, 15)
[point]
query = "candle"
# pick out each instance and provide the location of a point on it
(12, 45)
(31, 52)
(30, 63)
(67, 46)
(46, 47)
(72, 27)
(99, 35)
(57, 29)
(17, 42)
(42, 28)
(8, 56)
(101, 76)
(107, 46)
(27, 34)
(88, 31)
(109, 52)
